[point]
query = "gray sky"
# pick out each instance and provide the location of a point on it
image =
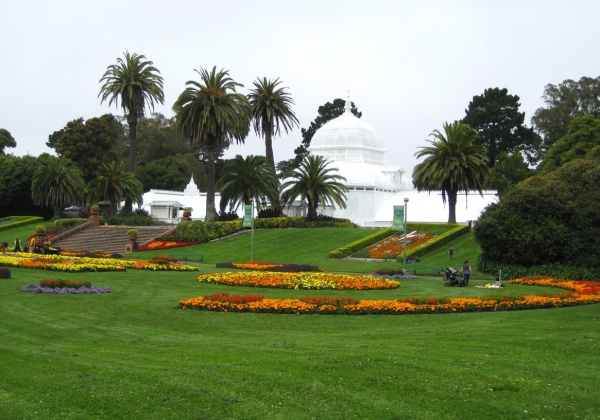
(409, 65)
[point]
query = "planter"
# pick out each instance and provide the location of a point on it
(132, 238)
(187, 216)
(94, 218)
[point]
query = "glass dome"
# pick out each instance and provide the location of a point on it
(348, 139)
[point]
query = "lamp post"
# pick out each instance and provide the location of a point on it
(404, 260)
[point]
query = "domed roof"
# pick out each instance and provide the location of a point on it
(347, 138)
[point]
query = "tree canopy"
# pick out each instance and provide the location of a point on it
(452, 163)
(89, 144)
(57, 183)
(136, 83)
(16, 174)
(212, 114)
(315, 182)
(6, 140)
(246, 179)
(162, 174)
(496, 118)
(547, 219)
(114, 183)
(563, 102)
(582, 136)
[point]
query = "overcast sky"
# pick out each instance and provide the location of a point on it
(409, 65)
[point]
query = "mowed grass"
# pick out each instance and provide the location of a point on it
(133, 354)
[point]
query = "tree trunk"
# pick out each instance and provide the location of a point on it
(271, 162)
(452, 206)
(132, 121)
(56, 208)
(210, 187)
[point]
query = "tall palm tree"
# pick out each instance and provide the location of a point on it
(271, 109)
(212, 114)
(453, 163)
(114, 183)
(246, 179)
(136, 83)
(57, 183)
(315, 182)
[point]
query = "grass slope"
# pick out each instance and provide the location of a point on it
(132, 354)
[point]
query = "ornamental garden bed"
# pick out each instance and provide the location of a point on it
(262, 266)
(65, 287)
(578, 293)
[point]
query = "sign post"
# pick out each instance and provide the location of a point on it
(249, 222)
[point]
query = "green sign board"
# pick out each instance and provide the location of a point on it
(247, 216)
(398, 223)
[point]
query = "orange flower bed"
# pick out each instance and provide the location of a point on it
(394, 245)
(580, 293)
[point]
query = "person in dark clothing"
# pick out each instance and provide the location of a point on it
(451, 253)
(466, 272)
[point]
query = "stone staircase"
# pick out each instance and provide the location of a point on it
(107, 238)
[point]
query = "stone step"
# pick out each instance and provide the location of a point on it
(107, 238)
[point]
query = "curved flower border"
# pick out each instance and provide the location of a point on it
(302, 280)
(579, 293)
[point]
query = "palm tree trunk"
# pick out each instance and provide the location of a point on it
(210, 187)
(452, 206)
(271, 162)
(132, 121)
(56, 208)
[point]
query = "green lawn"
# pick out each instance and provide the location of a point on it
(133, 354)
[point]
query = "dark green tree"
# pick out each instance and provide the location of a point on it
(271, 110)
(510, 169)
(163, 174)
(136, 83)
(583, 135)
(326, 113)
(115, 183)
(16, 175)
(496, 118)
(315, 182)
(88, 144)
(546, 219)
(57, 183)
(6, 140)
(212, 114)
(246, 179)
(563, 102)
(452, 163)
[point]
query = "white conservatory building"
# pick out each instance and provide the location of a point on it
(357, 150)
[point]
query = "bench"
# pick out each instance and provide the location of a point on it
(414, 267)
(188, 257)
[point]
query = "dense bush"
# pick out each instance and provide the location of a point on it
(559, 271)
(65, 224)
(128, 220)
(198, 231)
(4, 273)
(546, 219)
(268, 213)
(227, 216)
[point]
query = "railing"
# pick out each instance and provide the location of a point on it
(71, 232)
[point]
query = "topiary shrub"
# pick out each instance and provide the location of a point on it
(4, 273)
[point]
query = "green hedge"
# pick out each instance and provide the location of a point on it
(128, 220)
(449, 235)
(20, 221)
(203, 232)
(361, 243)
(515, 271)
(69, 222)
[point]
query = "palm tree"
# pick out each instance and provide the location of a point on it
(114, 183)
(135, 82)
(57, 183)
(453, 163)
(246, 179)
(315, 181)
(212, 114)
(271, 109)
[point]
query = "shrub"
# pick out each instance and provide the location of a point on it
(227, 216)
(19, 221)
(4, 273)
(65, 224)
(128, 220)
(268, 213)
(133, 232)
(95, 207)
(188, 209)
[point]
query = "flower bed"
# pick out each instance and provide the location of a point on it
(580, 293)
(64, 287)
(394, 245)
(299, 280)
(158, 244)
(81, 264)
(261, 266)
